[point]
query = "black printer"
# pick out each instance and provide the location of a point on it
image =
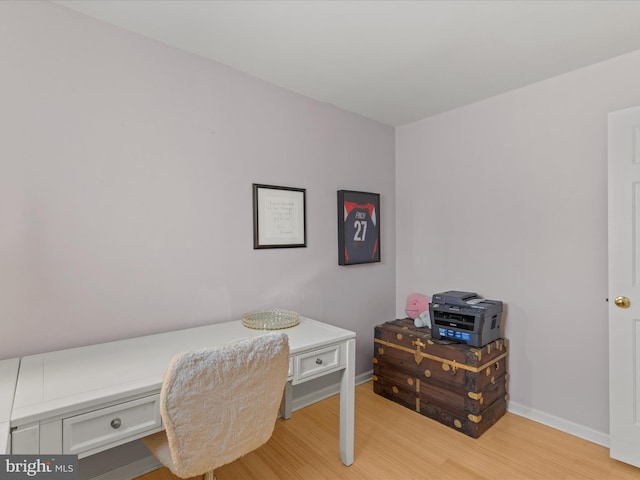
(465, 317)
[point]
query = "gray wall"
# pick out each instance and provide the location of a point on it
(508, 197)
(125, 190)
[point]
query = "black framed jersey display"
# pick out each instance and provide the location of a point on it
(358, 227)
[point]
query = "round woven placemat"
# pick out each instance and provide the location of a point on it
(272, 319)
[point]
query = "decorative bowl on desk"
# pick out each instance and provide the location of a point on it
(272, 319)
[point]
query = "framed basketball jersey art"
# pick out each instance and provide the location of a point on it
(358, 227)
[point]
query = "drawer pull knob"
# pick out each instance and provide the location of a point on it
(116, 423)
(318, 361)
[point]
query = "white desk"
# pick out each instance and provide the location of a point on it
(66, 401)
(8, 376)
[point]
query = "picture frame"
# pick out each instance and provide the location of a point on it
(279, 217)
(358, 227)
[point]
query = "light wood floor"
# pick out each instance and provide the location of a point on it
(395, 443)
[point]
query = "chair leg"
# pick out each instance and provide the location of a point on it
(209, 476)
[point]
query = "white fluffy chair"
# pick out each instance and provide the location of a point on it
(219, 404)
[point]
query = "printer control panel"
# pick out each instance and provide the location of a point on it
(454, 334)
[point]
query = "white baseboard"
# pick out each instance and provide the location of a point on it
(558, 423)
(317, 395)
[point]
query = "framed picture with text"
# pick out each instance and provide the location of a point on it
(279, 217)
(358, 227)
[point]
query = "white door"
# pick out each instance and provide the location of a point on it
(624, 285)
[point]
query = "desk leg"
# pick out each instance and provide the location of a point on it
(287, 397)
(347, 404)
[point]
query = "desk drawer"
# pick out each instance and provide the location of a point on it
(318, 362)
(101, 429)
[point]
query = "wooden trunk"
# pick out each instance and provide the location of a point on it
(460, 386)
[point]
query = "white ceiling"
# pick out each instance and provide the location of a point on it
(393, 61)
